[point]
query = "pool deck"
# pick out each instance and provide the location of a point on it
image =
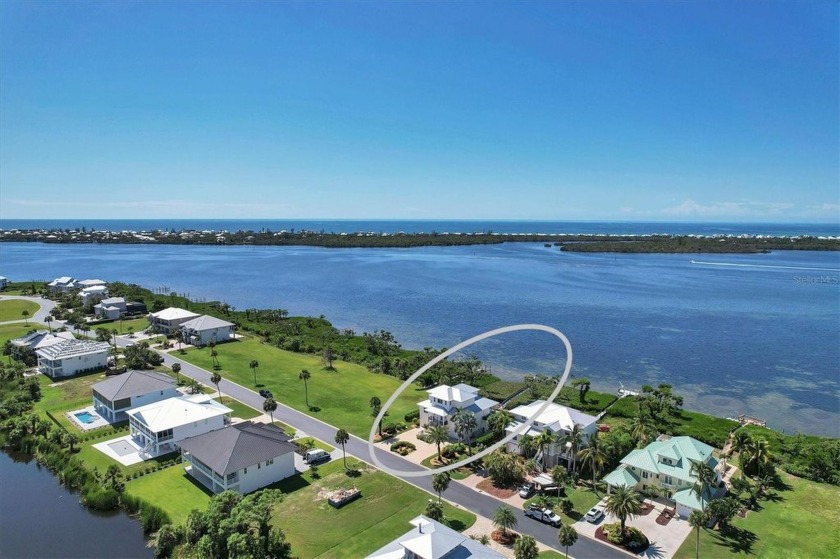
(99, 421)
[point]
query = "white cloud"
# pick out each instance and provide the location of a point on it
(691, 208)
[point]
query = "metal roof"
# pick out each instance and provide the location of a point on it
(133, 383)
(238, 446)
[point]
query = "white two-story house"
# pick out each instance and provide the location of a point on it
(242, 457)
(445, 401)
(168, 321)
(665, 466)
(205, 329)
(557, 420)
(158, 428)
(70, 357)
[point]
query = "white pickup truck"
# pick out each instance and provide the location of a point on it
(543, 515)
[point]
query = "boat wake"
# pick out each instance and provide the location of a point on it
(730, 264)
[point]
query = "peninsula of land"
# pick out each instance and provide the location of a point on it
(659, 243)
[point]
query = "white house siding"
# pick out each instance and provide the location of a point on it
(69, 366)
(180, 432)
(218, 335)
(262, 475)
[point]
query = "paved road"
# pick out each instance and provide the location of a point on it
(47, 307)
(458, 494)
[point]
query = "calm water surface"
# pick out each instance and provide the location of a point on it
(759, 334)
(40, 519)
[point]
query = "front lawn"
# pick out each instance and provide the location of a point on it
(340, 397)
(10, 309)
(13, 331)
(317, 530)
(172, 490)
(799, 521)
(582, 497)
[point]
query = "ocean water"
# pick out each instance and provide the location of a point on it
(756, 334)
(428, 226)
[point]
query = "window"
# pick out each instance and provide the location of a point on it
(269, 462)
(645, 475)
(245, 470)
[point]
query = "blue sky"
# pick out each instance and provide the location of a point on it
(561, 110)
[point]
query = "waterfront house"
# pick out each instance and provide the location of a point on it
(114, 396)
(112, 308)
(93, 294)
(4, 281)
(205, 329)
(444, 402)
(169, 320)
(39, 339)
(70, 357)
(664, 467)
(64, 284)
(242, 457)
(429, 539)
(556, 419)
(88, 283)
(159, 427)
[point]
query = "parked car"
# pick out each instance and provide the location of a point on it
(543, 515)
(526, 490)
(316, 456)
(266, 393)
(594, 514)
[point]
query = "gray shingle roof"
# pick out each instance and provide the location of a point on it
(238, 446)
(205, 322)
(133, 383)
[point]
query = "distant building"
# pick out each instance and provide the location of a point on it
(445, 401)
(4, 281)
(93, 294)
(242, 457)
(430, 539)
(168, 321)
(88, 283)
(159, 427)
(205, 329)
(111, 308)
(71, 357)
(114, 396)
(557, 420)
(664, 466)
(64, 284)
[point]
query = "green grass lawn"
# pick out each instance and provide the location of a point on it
(340, 397)
(583, 499)
(10, 309)
(550, 555)
(799, 522)
(457, 474)
(172, 490)
(317, 530)
(12, 331)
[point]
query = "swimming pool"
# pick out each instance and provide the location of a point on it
(85, 417)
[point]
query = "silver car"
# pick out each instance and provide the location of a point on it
(595, 514)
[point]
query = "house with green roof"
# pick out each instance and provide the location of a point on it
(664, 467)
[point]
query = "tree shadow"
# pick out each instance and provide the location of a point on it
(738, 540)
(290, 484)
(456, 524)
(314, 409)
(260, 385)
(353, 472)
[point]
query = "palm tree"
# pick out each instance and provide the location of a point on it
(758, 455)
(567, 536)
(25, 314)
(114, 336)
(193, 386)
(594, 456)
(214, 356)
(642, 429)
(72, 439)
(527, 444)
(48, 319)
(112, 476)
(505, 519)
(434, 510)
(342, 437)
(740, 441)
(440, 483)
(542, 441)
(438, 435)
(697, 520)
(305, 376)
(624, 502)
(216, 378)
(254, 364)
(269, 405)
(705, 476)
(574, 438)
(526, 548)
(176, 368)
(465, 424)
(560, 476)
(375, 408)
(498, 421)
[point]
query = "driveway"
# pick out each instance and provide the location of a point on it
(458, 494)
(664, 540)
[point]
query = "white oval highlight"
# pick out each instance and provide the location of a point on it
(518, 431)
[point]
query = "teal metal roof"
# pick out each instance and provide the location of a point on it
(621, 476)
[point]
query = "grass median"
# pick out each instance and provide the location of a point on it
(340, 397)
